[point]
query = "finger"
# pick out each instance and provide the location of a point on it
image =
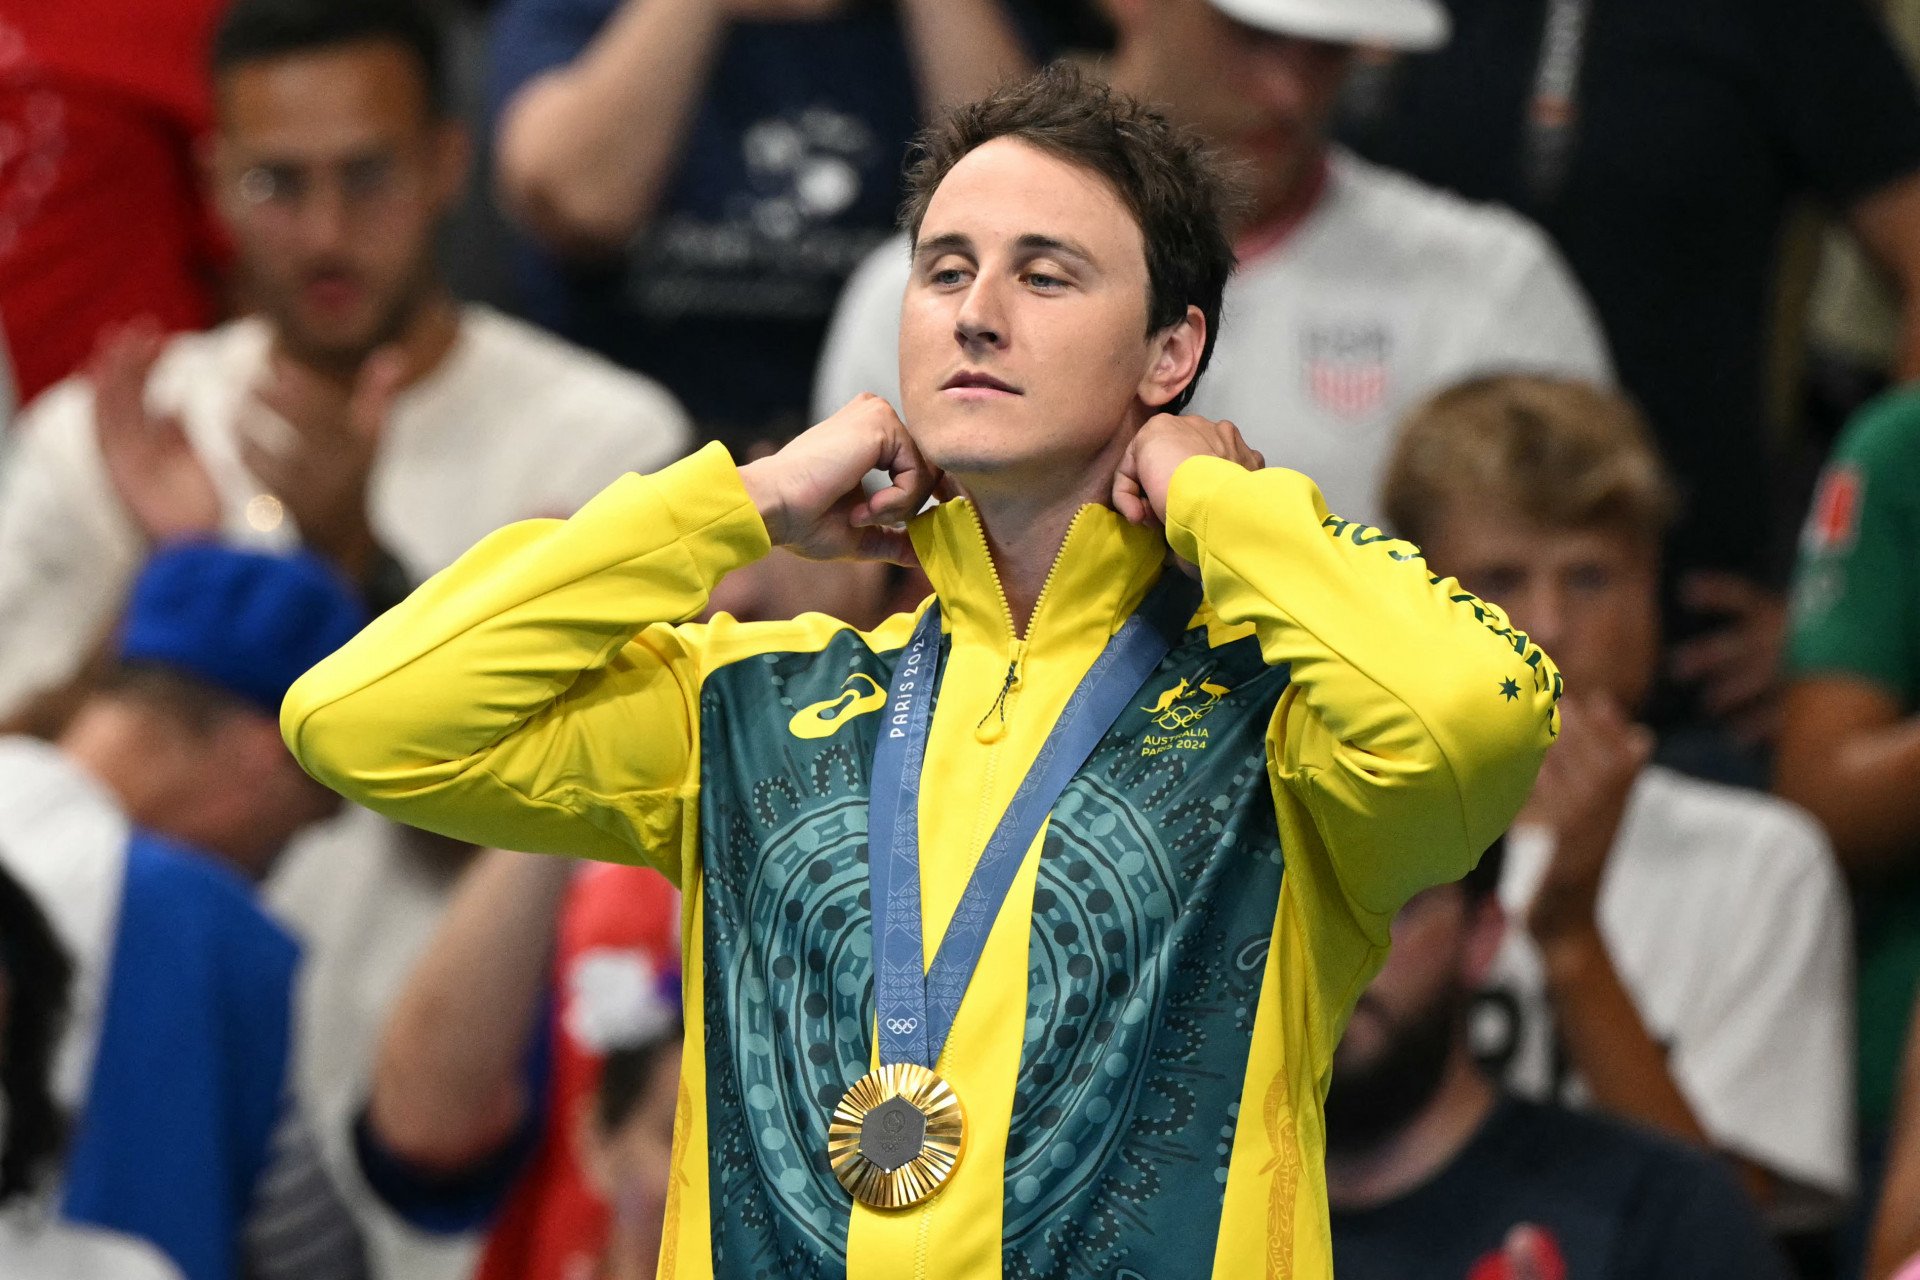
(1710, 592)
(381, 379)
(912, 479)
(307, 402)
(123, 366)
(266, 466)
(1710, 655)
(1129, 499)
(890, 545)
(1739, 689)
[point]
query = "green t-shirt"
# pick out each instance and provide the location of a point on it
(1856, 612)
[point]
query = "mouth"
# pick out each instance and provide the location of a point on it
(972, 384)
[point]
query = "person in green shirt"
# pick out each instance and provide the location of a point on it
(1850, 742)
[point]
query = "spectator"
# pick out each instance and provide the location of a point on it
(492, 1052)
(1850, 740)
(36, 980)
(630, 1144)
(1663, 146)
(139, 831)
(1896, 1239)
(334, 168)
(1684, 956)
(362, 413)
(701, 175)
(103, 108)
(1359, 292)
(1432, 1172)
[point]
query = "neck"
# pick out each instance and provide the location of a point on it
(1025, 531)
(1423, 1147)
(425, 341)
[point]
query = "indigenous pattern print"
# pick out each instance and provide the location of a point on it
(1159, 880)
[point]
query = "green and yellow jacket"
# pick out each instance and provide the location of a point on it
(1144, 1049)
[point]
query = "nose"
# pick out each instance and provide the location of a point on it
(323, 217)
(982, 320)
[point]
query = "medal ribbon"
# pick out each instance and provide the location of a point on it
(916, 1005)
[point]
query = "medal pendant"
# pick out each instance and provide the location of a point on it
(896, 1136)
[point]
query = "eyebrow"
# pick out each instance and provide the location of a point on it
(1028, 246)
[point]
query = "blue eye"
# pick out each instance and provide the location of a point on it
(1041, 280)
(947, 275)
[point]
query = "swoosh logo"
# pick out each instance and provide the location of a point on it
(823, 719)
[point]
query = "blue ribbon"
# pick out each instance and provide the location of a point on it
(915, 1004)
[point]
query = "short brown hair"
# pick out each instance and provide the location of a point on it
(1566, 454)
(1169, 179)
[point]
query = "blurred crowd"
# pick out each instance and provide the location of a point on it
(1606, 304)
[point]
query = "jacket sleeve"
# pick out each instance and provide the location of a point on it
(535, 694)
(1417, 718)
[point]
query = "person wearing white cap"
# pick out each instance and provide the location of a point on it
(1360, 290)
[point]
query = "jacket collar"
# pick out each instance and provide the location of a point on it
(1101, 574)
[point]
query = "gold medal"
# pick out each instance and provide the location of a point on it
(896, 1136)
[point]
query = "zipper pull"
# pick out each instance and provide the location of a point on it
(997, 713)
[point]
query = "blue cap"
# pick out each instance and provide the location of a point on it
(245, 621)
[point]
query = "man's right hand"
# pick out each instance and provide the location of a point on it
(159, 477)
(810, 496)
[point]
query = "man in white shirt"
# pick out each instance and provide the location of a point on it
(361, 412)
(1360, 291)
(1683, 949)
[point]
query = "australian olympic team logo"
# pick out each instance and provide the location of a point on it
(1179, 711)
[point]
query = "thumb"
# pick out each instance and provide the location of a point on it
(380, 382)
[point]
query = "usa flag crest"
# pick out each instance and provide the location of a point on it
(1346, 368)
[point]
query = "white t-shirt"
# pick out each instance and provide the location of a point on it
(1387, 292)
(36, 1246)
(513, 423)
(1726, 918)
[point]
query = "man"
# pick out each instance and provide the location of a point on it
(363, 413)
(1684, 955)
(1152, 974)
(1665, 148)
(139, 832)
(1850, 740)
(1361, 292)
(1433, 1172)
(699, 176)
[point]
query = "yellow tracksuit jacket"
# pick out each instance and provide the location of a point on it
(1145, 1046)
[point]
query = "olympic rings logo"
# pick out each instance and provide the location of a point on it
(902, 1026)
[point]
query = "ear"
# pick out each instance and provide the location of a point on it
(452, 161)
(1486, 929)
(1173, 359)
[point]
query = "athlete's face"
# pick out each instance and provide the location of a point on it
(333, 173)
(1265, 99)
(1589, 597)
(1024, 353)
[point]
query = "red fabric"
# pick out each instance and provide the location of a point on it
(555, 1225)
(103, 106)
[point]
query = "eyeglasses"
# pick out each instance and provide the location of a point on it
(366, 184)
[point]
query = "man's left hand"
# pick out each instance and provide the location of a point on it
(320, 469)
(1163, 443)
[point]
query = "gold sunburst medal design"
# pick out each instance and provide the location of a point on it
(896, 1136)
